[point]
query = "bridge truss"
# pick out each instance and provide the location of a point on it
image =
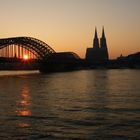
(20, 46)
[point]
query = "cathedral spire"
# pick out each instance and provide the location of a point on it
(103, 47)
(96, 40)
(103, 32)
(96, 35)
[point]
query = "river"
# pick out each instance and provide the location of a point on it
(80, 105)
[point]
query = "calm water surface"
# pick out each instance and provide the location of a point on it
(86, 105)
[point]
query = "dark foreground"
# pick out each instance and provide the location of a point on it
(82, 105)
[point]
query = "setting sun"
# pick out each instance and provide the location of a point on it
(25, 57)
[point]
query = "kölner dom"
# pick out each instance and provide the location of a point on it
(99, 52)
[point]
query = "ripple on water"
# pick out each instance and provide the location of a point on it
(86, 105)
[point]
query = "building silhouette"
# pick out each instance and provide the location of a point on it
(99, 51)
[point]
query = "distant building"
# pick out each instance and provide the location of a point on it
(99, 52)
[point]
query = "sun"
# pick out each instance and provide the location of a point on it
(25, 57)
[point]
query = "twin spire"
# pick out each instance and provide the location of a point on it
(103, 33)
(96, 40)
(99, 52)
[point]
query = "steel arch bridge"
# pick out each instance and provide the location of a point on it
(41, 49)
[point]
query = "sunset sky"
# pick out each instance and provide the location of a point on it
(68, 25)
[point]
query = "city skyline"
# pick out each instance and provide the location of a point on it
(68, 25)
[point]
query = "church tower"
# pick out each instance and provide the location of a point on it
(99, 52)
(96, 40)
(103, 47)
(92, 54)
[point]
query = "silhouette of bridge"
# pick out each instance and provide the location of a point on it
(19, 46)
(28, 48)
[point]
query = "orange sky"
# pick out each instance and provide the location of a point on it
(68, 25)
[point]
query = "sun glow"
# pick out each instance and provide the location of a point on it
(25, 57)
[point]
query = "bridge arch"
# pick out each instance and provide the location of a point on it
(32, 44)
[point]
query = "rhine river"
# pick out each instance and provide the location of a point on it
(80, 105)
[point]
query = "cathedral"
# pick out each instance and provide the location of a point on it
(99, 51)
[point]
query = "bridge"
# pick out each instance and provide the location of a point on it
(20, 46)
(25, 49)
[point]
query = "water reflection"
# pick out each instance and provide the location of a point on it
(93, 104)
(23, 106)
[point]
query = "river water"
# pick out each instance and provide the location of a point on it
(80, 105)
